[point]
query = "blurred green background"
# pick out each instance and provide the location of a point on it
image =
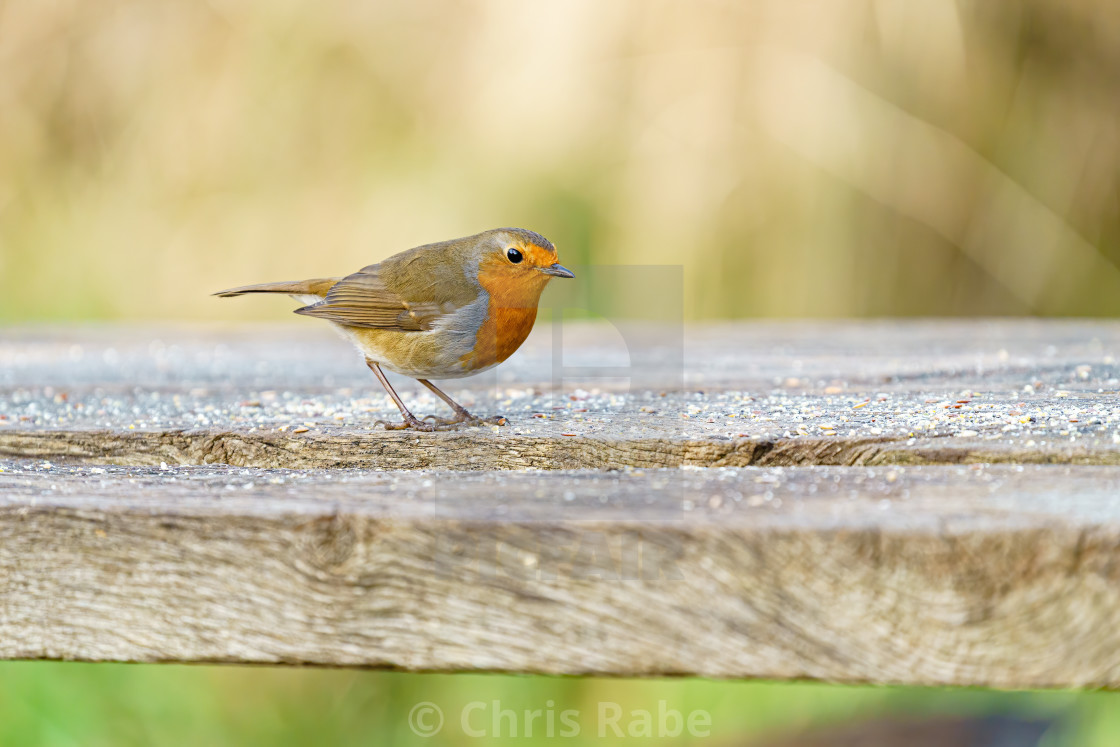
(830, 158)
(119, 705)
(826, 158)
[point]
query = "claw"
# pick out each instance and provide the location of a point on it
(443, 424)
(475, 422)
(409, 423)
(465, 418)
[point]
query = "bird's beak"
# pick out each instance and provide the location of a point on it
(557, 270)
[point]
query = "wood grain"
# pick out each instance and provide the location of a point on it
(995, 576)
(486, 450)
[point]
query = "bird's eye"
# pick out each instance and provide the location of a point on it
(514, 255)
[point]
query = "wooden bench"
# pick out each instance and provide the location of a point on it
(927, 502)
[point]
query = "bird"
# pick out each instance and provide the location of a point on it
(438, 311)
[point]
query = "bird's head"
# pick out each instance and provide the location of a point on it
(514, 261)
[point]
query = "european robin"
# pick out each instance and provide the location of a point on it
(438, 311)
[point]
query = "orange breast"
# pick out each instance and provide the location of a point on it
(501, 335)
(512, 312)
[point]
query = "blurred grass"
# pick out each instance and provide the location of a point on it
(804, 158)
(64, 704)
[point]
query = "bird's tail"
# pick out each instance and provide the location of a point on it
(315, 287)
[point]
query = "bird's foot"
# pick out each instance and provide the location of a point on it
(442, 421)
(465, 418)
(412, 423)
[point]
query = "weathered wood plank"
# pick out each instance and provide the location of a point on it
(998, 576)
(485, 450)
(877, 570)
(773, 394)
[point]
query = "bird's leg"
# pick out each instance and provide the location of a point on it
(410, 420)
(461, 414)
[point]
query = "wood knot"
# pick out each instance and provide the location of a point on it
(330, 542)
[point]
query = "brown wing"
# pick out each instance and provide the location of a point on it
(364, 299)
